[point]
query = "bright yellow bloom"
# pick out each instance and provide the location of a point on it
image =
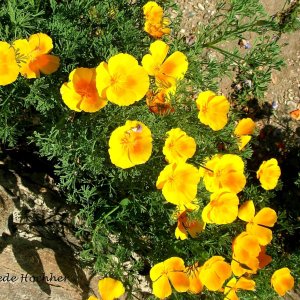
(178, 183)
(245, 126)
(171, 270)
(187, 226)
(213, 110)
(258, 224)
(153, 12)
(80, 92)
(246, 250)
(159, 103)
(233, 285)
(222, 208)
(196, 286)
(178, 146)
(130, 145)
(122, 79)
(282, 281)
(33, 55)
(166, 71)
(224, 171)
(214, 273)
(268, 174)
(9, 69)
(109, 289)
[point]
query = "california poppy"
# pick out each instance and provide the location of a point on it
(268, 174)
(258, 224)
(80, 92)
(178, 146)
(213, 110)
(33, 55)
(233, 285)
(130, 144)
(214, 272)
(109, 289)
(224, 171)
(171, 271)
(222, 208)
(178, 182)
(167, 71)
(9, 69)
(282, 281)
(122, 79)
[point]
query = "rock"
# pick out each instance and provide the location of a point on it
(38, 247)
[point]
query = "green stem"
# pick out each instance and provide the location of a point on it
(226, 53)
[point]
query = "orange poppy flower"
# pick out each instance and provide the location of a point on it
(130, 145)
(268, 174)
(166, 71)
(258, 224)
(156, 24)
(246, 250)
(9, 69)
(196, 286)
(222, 208)
(178, 146)
(33, 55)
(224, 171)
(187, 226)
(264, 259)
(214, 273)
(233, 285)
(171, 271)
(282, 281)
(122, 79)
(159, 103)
(178, 183)
(243, 141)
(213, 110)
(109, 289)
(80, 92)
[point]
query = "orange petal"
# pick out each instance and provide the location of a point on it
(179, 280)
(247, 211)
(266, 217)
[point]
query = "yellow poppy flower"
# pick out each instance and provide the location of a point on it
(282, 281)
(130, 145)
(245, 126)
(246, 250)
(187, 226)
(9, 69)
(233, 285)
(109, 289)
(268, 174)
(122, 79)
(80, 92)
(224, 171)
(213, 110)
(153, 12)
(222, 208)
(159, 103)
(171, 271)
(166, 71)
(258, 224)
(214, 273)
(178, 146)
(178, 183)
(196, 286)
(33, 55)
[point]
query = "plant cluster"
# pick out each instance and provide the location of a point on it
(145, 143)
